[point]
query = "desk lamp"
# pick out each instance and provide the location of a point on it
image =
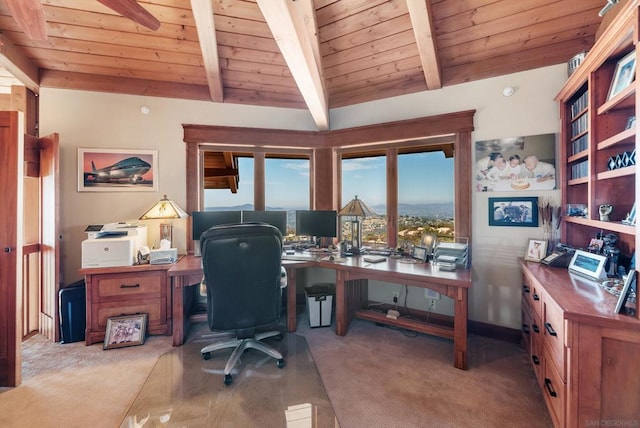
(356, 210)
(164, 209)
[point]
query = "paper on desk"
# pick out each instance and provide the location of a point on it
(165, 244)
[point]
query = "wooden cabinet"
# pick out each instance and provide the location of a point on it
(584, 356)
(597, 150)
(127, 290)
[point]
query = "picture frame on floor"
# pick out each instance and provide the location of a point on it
(125, 330)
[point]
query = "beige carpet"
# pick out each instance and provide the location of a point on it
(374, 377)
(74, 385)
(378, 377)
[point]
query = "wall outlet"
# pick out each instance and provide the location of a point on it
(432, 305)
(430, 294)
(396, 296)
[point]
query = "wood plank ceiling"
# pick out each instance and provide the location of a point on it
(307, 54)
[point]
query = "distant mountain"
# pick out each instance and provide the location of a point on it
(435, 210)
(244, 207)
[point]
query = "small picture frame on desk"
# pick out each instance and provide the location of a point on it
(125, 330)
(630, 279)
(536, 250)
(419, 253)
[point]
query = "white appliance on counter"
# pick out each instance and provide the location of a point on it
(113, 244)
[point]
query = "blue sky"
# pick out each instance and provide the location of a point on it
(423, 178)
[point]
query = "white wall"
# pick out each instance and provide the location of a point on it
(88, 119)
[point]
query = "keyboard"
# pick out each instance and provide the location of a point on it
(299, 258)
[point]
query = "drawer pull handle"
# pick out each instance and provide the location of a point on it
(536, 297)
(525, 328)
(536, 329)
(525, 288)
(536, 360)
(547, 384)
(130, 286)
(550, 329)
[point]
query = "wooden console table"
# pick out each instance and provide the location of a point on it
(351, 295)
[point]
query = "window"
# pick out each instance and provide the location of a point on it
(425, 196)
(287, 187)
(224, 199)
(366, 178)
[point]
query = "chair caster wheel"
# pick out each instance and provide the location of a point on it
(280, 363)
(206, 356)
(228, 379)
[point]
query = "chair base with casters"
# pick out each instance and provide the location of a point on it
(240, 345)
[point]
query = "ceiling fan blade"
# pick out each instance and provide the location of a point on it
(132, 10)
(29, 15)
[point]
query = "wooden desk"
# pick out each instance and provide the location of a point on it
(351, 295)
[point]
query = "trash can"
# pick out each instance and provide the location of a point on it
(73, 315)
(320, 303)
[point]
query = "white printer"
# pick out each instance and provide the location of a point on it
(113, 244)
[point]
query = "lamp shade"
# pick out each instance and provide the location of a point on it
(356, 208)
(164, 208)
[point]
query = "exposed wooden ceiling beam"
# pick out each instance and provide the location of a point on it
(422, 22)
(296, 45)
(203, 15)
(12, 59)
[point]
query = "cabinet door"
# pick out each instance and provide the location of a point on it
(605, 371)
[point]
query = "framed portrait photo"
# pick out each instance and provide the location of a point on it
(419, 253)
(516, 211)
(624, 74)
(113, 170)
(628, 284)
(125, 330)
(536, 250)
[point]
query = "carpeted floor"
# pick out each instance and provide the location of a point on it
(374, 377)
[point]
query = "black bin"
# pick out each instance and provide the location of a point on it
(73, 314)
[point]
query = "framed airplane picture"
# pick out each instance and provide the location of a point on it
(117, 170)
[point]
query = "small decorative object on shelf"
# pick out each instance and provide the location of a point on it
(605, 210)
(631, 216)
(631, 122)
(574, 62)
(577, 210)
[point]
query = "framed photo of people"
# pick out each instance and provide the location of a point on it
(624, 74)
(125, 330)
(516, 164)
(536, 250)
(517, 211)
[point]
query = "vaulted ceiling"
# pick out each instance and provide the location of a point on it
(308, 54)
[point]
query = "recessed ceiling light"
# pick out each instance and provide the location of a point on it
(508, 91)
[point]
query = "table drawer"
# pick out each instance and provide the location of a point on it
(129, 285)
(553, 334)
(554, 392)
(532, 293)
(155, 310)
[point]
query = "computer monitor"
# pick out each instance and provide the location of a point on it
(203, 220)
(317, 223)
(274, 218)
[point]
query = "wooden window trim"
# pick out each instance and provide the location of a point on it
(326, 148)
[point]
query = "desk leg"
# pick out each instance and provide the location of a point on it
(178, 310)
(292, 323)
(342, 319)
(460, 328)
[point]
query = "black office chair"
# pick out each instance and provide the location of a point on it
(242, 273)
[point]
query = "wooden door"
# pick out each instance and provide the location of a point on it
(48, 150)
(11, 153)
